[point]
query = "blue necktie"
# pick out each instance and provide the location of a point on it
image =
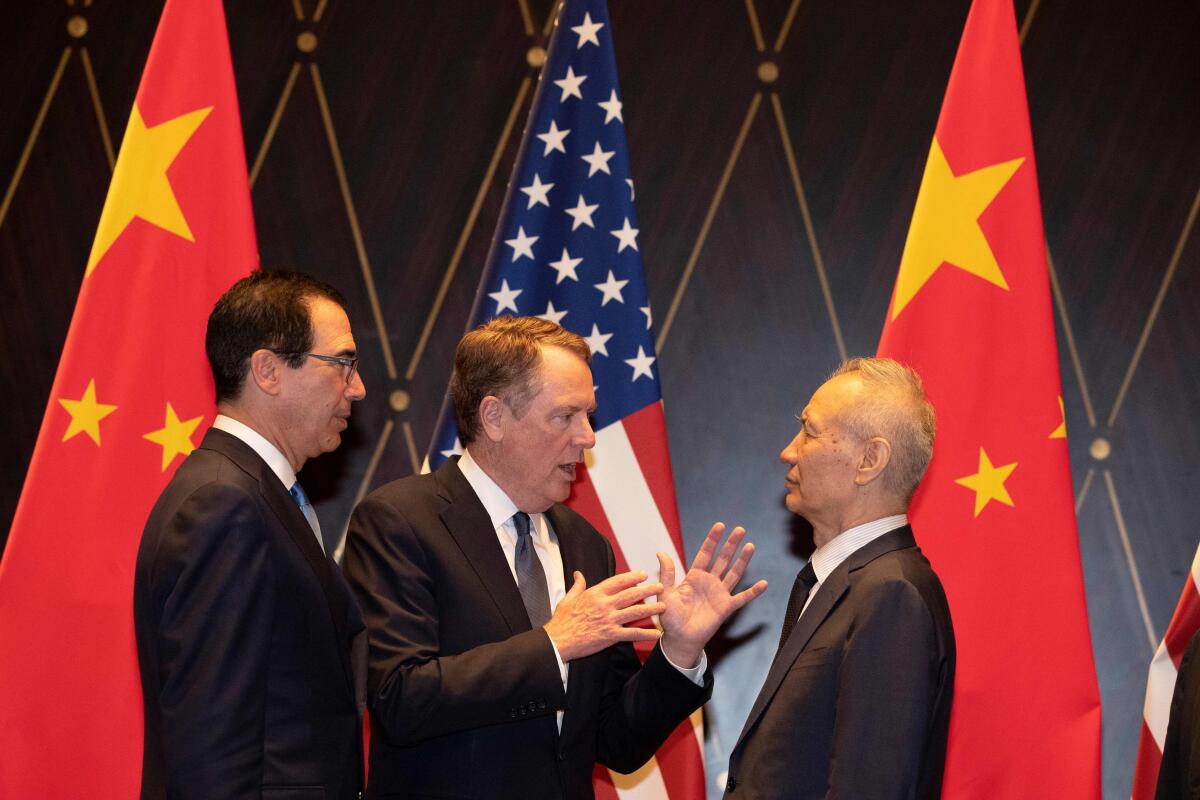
(531, 577)
(306, 508)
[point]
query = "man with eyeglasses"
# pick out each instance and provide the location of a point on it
(251, 647)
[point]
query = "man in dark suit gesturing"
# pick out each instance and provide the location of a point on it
(489, 678)
(245, 628)
(857, 701)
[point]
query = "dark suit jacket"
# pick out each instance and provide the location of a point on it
(463, 693)
(1179, 773)
(244, 635)
(857, 704)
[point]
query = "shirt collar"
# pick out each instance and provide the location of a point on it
(498, 505)
(265, 450)
(830, 555)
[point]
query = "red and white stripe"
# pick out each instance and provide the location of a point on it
(1160, 684)
(627, 491)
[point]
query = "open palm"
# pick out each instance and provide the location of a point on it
(704, 599)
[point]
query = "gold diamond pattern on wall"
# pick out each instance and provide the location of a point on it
(768, 74)
(302, 117)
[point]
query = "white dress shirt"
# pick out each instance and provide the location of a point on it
(500, 509)
(830, 555)
(269, 453)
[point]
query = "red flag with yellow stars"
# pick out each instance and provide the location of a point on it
(132, 396)
(971, 311)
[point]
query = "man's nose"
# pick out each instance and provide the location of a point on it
(587, 436)
(356, 389)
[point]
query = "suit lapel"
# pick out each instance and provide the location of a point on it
(469, 524)
(337, 594)
(830, 593)
(570, 546)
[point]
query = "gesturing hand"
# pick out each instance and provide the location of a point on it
(704, 599)
(589, 620)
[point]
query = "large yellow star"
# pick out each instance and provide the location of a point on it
(139, 186)
(988, 482)
(86, 414)
(174, 436)
(945, 226)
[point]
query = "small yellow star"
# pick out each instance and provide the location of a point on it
(945, 225)
(1061, 431)
(139, 185)
(86, 414)
(988, 482)
(174, 436)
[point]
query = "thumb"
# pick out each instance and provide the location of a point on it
(666, 570)
(578, 587)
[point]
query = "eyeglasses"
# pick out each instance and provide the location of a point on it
(350, 363)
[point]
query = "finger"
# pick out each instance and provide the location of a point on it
(726, 554)
(641, 611)
(578, 587)
(636, 594)
(618, 583)
(638, 634)
(709, 546)
(666, 570)
(742, 598)
(738, 569)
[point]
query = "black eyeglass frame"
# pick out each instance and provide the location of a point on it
(350, 362)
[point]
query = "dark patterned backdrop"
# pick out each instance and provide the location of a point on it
(777, 148)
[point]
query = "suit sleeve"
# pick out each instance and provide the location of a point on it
(415, 692)
(1178, 747)
(214, 587)
(887, 686)
(642, 703)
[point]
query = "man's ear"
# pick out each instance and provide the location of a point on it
(491, 417)
(266, 371)
(877, 454)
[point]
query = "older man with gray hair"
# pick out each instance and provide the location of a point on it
(857, 701)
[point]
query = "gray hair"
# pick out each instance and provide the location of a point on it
(893, 406)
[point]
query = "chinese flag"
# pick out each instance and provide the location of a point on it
(131, 397)
(971, 311)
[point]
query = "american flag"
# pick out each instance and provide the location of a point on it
(566, 249)
(1160, 684)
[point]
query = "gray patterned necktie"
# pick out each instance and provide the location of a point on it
(531, 578)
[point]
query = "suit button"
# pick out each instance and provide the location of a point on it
(731, 784)
(542, 704)
(562, 756)
(523, 711)
(512, 713)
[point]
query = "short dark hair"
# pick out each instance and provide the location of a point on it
(264, 310)
(501, 358)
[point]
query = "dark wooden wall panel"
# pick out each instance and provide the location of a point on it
(418, 96)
